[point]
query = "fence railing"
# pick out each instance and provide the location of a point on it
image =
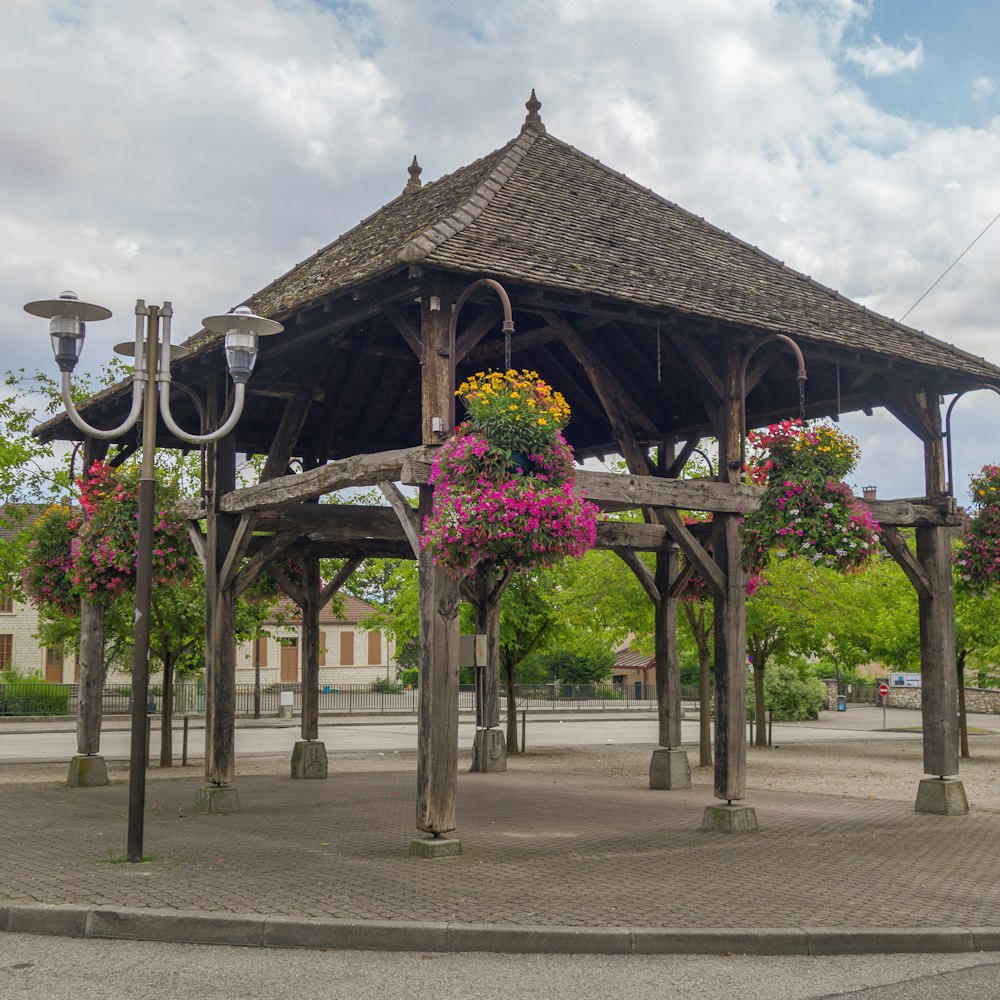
(40, 699)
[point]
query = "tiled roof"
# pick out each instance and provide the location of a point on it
(541, 212)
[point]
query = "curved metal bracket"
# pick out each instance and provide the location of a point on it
(950, 486)
(800, 377)
(508, 329)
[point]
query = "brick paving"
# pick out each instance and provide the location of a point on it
(540, 849)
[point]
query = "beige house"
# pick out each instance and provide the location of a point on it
(349, 653)
(20, 651)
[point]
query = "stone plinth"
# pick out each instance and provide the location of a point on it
(730, 819)
(435, 847)
(489, 751)
(217, 799)
(669, 768)
(309, 759)
(943, 796)
(87, 771)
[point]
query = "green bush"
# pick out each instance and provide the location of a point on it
(386, 686)
(31, 695)
(791, 696)
(409, 676)
(609, 692)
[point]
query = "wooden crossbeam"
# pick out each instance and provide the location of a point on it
(408, 517)
(896, 546)
(641, 572)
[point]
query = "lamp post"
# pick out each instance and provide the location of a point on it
(68, 317)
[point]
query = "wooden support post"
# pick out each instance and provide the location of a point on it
(489, 752)
(437, 718)
(939, 674)
(730, 611)
(90, 687)
(220, 667)
(310, 649)
(668, 677)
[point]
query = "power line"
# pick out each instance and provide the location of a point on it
(949, 267)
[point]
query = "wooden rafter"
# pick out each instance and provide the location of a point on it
(641, 572)
(255, 565)
(896, 546)
(408, 517)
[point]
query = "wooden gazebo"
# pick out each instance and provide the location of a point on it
(645, 317)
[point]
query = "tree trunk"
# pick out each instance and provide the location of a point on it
(91, 686)
(167, 714)
(963, 722)
(512, 746)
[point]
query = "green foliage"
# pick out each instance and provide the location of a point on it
(31, 695)
(409, 677)
(569, 665)
(386, 686)
(791, 693)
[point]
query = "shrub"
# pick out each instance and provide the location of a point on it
(791, 696)
(409, 676)
(31, 695)
(386, 686)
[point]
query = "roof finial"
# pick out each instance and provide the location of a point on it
(532, 119)
(414, 170)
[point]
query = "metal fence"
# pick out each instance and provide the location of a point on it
(42, 699)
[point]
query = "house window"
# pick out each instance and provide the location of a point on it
(347, 649)
(6, 606)
(374, 647)
(6, 651)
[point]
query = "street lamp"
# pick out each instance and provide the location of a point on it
(68, 317)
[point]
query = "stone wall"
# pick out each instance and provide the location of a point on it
(984, 700)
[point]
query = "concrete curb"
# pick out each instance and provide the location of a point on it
(259, 931)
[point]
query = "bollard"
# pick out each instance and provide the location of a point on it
(184, 746)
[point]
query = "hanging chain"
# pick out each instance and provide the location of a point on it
(838, 386)
(506, 351)
(659, 374)
(802, 400)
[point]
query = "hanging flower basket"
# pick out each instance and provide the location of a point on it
(47, 575)
(806, 509)
(490, 508)
(978, 555)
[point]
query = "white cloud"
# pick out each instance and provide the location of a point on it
(985, 87)
(172, 150)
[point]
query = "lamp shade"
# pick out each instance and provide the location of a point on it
(242, 328)
(67, 317)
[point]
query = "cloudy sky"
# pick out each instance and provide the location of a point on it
(193, 150)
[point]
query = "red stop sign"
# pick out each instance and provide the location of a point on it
(883, 690)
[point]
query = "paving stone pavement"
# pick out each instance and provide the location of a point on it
(540, 850)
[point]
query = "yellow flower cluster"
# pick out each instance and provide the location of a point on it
(515, 410)
(522, 394)
(826, 440)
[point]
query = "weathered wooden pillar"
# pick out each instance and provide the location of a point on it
(437, 718)
(730, 630)
(669, 767)
(220, 625)
(939, 683)
(489, 751)
(88, 767)
(309, 758)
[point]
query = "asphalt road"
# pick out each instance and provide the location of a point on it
(20, 743)
(51, 968)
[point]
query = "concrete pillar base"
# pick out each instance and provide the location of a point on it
(730, 819)
(217, 799)
(435, 847)
(489, 751)
(942, 796)
(669, 768)
(309, 759)
(87, 771)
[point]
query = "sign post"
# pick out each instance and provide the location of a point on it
(883, 693)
